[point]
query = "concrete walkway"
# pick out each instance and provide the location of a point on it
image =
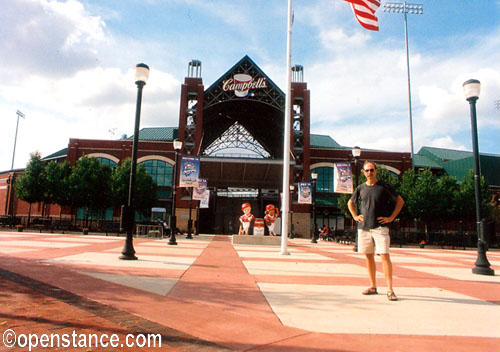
(207, 294)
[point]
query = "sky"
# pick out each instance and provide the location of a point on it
(67, 65)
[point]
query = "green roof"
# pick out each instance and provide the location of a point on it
(58, 154)
(443, 155)
(157, 134)
(457, 163)
(426, 162)
(489, 164)
(323, 141)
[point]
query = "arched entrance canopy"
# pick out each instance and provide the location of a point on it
(245, 95)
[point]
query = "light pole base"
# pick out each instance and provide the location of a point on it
(172, 241)
(128, 256)
(482, 265)
(314, 240)
(480, 270)
(128, 251)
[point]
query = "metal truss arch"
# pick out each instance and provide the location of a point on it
(237, 137)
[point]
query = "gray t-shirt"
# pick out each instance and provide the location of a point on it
(376, 201)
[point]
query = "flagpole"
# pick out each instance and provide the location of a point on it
(286, 141)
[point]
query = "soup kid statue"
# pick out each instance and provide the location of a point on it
(270, 218)
(246, 218)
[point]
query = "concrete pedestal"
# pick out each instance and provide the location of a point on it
(257, 240)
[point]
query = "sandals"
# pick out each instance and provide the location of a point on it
(370, 291)
(391, 296)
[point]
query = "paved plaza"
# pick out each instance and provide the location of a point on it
(207, 294)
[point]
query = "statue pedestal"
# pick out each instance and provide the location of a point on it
(257, 240)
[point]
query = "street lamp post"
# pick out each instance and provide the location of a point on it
(19, 114)
(314, 177)
(292, 189)
(128, 252)
(173, 219)
(356, 153)
(472, 88)
(190, 221)
(415, 9)
(197, 221)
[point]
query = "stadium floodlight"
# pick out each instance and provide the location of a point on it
(415, 9)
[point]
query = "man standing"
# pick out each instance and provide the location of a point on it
(376, 212)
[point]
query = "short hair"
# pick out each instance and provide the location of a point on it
(369, 162)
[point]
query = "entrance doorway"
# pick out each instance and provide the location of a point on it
(222, 217)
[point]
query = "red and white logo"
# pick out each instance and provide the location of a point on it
(241, 83)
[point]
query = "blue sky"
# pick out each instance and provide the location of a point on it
(68, 65)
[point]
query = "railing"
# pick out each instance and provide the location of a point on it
(451, 240)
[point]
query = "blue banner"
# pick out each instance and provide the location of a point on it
(305, 193)
(190, 171)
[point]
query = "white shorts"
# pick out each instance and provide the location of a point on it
(377, 238)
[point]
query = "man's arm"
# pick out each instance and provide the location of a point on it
(397, 209)
(355, 216)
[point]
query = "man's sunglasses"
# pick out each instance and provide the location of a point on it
(369, 170)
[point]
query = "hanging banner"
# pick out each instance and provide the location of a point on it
(199, 193)
(190, 170)
(305, 193)
(342, 178)
(205, 201)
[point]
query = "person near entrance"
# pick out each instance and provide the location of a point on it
(245, 219)
(270, 218)
(376, 213)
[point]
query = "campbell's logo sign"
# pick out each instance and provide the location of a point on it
(241, 83)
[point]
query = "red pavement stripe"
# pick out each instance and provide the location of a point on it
(218, 276)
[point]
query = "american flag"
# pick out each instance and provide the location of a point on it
(364, 10)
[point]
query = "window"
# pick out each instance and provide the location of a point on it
(160, 171)
(324, 182)
(106, 161)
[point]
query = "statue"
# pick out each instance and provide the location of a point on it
(245, 219)
(270, 218)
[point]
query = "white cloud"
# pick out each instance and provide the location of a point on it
(80, 97)
(47, 37)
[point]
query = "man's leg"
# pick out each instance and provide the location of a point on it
(370, 265)
(387, 265)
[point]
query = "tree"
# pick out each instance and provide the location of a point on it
(57, 189)
(466, 199)
(30, 186)
(145, 194)
(89, 185)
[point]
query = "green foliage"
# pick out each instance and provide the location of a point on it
(342, 204)
(430, 198)
(424, 196)
(466, 199)
(30, 186)
(89, 184)
(145, 195)
(57, 189)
